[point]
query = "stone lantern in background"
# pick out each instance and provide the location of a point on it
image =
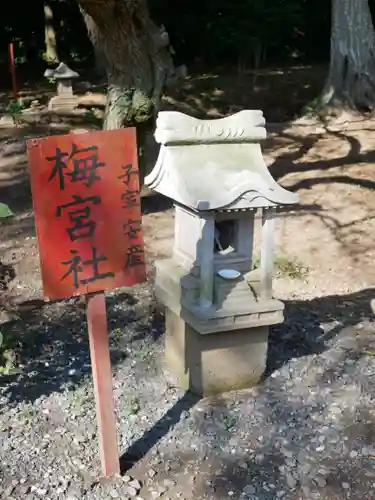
(65, 98)
(218, 307)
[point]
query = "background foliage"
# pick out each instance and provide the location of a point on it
(207, 32)
(224, 31)
(210, 32)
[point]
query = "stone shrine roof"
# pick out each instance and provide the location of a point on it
(215, 164)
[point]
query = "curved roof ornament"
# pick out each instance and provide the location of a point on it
(215, 164)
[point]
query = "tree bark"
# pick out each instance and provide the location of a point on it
(51, 54)
(351, 78)
(136, 57)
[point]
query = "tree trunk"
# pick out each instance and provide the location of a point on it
(351, 78)
(51, 54)
(136, 57)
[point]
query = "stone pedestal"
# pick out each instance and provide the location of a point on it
(218, 348)
(214, 363)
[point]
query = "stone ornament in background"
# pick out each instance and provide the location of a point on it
(65, 98)
(218, 307)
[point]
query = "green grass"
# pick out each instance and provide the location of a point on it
(286, 267)
(134, 406)
(229, 421)
(143, 354)
(117, 334)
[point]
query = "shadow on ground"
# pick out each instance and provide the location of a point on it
(155, 202)
(218, 94)
(50, 342)
(290, 162)
(51, 339)
(301, 334)
(220, 475)
(14, 174)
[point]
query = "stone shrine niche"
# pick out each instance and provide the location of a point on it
(226, 236)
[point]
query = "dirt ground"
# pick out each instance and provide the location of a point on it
(329, 233)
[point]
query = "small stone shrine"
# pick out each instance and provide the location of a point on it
(218, 306)
(65, 98)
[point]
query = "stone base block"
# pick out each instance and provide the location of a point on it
(63, 102)
(215, 363)
(238, 304)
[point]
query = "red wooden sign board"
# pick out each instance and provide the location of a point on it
(87, 211)
(88, 219)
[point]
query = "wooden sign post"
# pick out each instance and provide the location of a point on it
(88, 219)
(102, 377)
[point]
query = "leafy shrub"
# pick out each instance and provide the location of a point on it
(5, 211)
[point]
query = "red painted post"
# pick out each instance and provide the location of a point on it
(12, 68)
(102, 376)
